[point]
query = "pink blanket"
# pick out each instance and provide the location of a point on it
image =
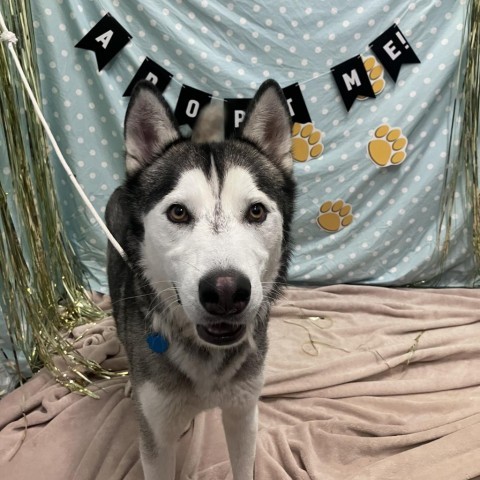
(361, 383)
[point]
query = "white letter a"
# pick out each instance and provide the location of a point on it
(105, 38)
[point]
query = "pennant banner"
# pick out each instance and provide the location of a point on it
(106, 39)
(189, 104)
(391, 48)
(393, 51)
(235, 109)
(296, 104)
(149, 70)
(352, 80)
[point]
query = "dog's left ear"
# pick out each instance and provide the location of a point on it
(149, 126)
(268, 124)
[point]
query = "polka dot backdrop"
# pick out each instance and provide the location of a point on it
(371, 181)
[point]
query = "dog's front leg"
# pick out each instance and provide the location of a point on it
(163, 419)
(241, 424)
(157, 463)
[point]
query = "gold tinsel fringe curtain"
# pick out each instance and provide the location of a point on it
(470, 138)
(42, 296)
(462, 168)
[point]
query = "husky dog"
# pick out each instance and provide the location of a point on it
(205, 225)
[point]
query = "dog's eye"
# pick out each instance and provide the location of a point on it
(178, 214)
(257, 213)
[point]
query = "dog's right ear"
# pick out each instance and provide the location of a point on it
(149, 126)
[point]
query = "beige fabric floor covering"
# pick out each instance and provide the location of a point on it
(361, 383)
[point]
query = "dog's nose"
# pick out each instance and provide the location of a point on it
(224, 292)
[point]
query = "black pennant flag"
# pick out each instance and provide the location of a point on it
(393, 51)
(189, 104)
(235, 109)
(149, 70)
(296, 104)
(352, 80)
(106, 39)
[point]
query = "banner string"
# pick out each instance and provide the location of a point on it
(398, 20)
(10, 37)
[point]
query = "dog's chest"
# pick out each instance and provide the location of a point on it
(214, 379)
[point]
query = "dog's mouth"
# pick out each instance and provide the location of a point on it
(221, 333)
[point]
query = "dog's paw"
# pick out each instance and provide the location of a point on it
(335, 215)
(306, 142)
(375, 75)
(388, 146)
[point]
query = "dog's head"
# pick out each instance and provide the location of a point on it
(210, 221)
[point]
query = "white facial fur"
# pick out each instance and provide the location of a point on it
(219, 237)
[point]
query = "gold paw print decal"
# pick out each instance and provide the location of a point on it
(375, 74)
(388, 146)
(335, 215)
(306, 142)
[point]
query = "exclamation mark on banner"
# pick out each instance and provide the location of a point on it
(404, 42)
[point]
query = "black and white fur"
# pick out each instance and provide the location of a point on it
(205, 283)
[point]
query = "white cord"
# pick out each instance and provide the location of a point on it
(7, 36)
(10, 37)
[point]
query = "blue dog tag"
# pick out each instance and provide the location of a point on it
(157, 343)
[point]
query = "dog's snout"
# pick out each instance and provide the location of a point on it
(224, 293)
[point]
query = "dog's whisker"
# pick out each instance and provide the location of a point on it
(133, 297)
(161, 301)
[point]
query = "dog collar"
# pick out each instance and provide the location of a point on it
(157, 342)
